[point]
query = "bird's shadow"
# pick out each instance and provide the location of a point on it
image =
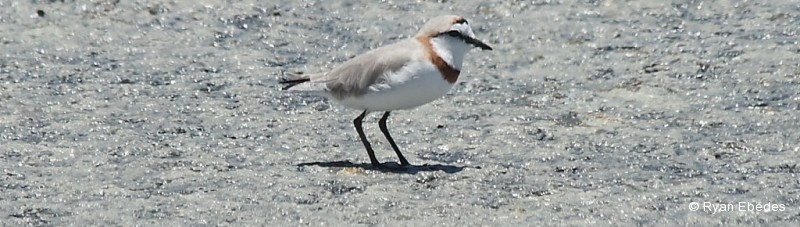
(391, 167)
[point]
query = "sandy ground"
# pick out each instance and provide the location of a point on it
(590, 112)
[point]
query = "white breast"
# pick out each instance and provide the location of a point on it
(413, 85)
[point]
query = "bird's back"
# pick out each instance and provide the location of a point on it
(353, 77)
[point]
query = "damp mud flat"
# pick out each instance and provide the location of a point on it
(598, 112)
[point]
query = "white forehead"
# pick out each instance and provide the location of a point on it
(463, 28)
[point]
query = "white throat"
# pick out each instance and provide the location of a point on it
(451, 50)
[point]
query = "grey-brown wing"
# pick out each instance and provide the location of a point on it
(356, 75)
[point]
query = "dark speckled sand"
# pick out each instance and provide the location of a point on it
(589, 113)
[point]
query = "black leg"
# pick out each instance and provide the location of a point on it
(382, 124)
(360, 130)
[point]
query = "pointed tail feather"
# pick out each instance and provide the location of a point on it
(305, 83)
(292, 83)
(290, 80)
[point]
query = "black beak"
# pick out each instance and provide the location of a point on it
(467, 39)
(476, 43)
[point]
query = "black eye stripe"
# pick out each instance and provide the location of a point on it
(462, 21)
(452, 33)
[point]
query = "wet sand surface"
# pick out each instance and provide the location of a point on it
(589, 112)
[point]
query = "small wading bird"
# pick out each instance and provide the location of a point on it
(398, 76)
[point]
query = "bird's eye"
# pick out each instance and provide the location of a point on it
(453, 33)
